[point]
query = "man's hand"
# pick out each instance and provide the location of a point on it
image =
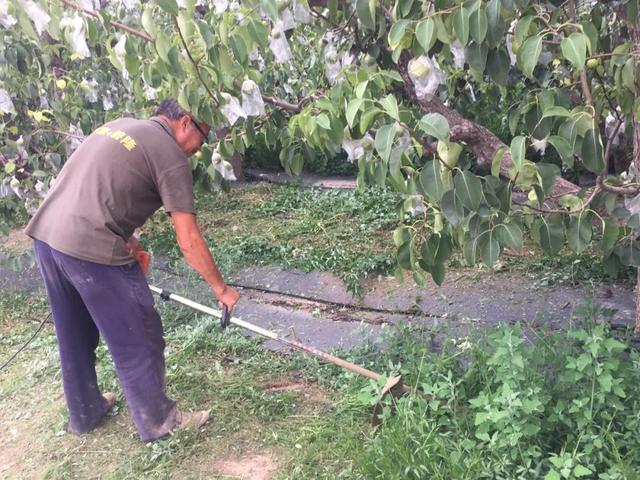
(228, 296)
(141, 256)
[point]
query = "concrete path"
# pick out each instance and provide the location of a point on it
(316, 308)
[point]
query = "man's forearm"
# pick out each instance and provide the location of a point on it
(197, 254)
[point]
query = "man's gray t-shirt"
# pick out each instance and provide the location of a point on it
(116, 179)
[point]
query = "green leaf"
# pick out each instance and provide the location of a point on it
(461, 25)
(579, 232)
(366, 10)
(449, 152)
(431, 180)
(489, 248)
(147, 21)
(629, 253)
(518, 148)
(528, 54)
(592, 157)
(404, 255)
(297, 163)
(239, 48)
(569, 130)
(551, 236)
(169, 6)
(384, 141)
(445, 247)
(574, 49)
(547, 173)
(580, 471)
(468, 188)
(361, 88)
(162, 46)
(592, 34)
(396, 34)
(476, 56)
(451, 207)
(270, 8)
(495, 32)
(509, 235)
(426, 34)
(471, 250)
(610, 232)
(563, 148)
(478, 25)
(390, 105)
(496, 162)
(323, 121)
(418, 278)
(352, 110)
(436, 249)
(436, 125)
(522, 28)
(437, 273)
(258, 33)
(552, 475)
(498, 65)
(367, 117)
(555, 111)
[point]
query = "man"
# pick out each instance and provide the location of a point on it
(116, 179)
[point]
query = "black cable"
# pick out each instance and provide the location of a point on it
(413, 311)
(27, 342)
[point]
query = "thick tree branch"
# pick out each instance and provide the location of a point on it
(481, 140)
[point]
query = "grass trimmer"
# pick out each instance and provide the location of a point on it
(393, 385)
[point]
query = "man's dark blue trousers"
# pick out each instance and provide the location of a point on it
(87, 300)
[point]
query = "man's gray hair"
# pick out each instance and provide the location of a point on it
(171, 108)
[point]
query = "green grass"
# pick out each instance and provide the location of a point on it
(500, 406)
(308, 431)
(345, 233)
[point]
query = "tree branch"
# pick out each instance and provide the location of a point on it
(292, 107)
(627, 191)
(119, 25)
(481, 140)
(195, 65)
(584, 81)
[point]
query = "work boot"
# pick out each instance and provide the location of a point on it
(191, 419)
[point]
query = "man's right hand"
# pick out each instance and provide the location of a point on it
(228, 296)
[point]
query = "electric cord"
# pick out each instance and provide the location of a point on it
(411, 311)
(35, 334)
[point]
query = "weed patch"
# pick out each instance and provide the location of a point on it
(563, 406)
